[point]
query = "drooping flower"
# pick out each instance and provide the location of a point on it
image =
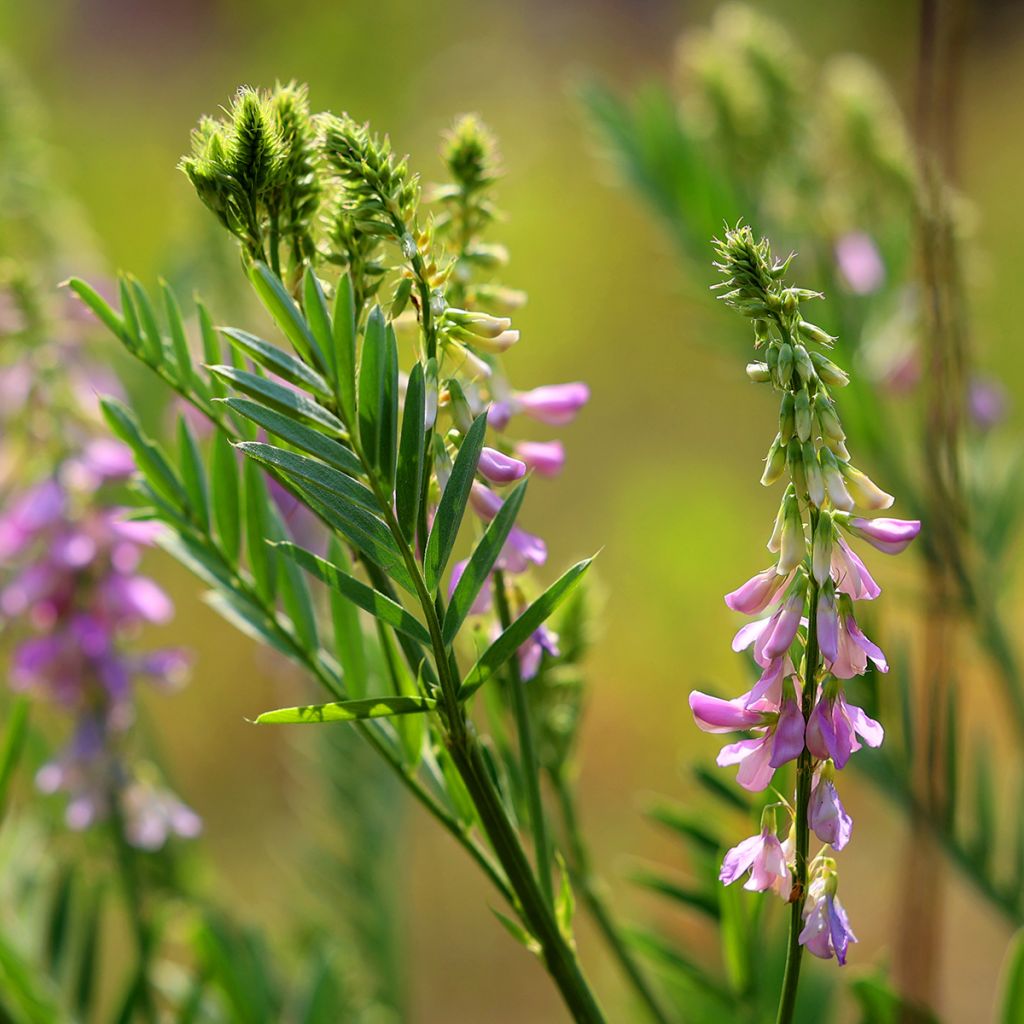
(765, 858)
(888, 535)
(826, 932)
(500, 468)
(554, 404)
(834, 726)
(825, 813)
(544, 457)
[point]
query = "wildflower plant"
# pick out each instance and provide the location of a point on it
(387, 415)
(809, 643)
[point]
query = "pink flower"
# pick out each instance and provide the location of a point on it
(834, 726)
(853, 651)
(758, 758)
(890, 536)
(757, 593)
(554, 404)
(826, 815)
(859, 263)
(499, 468)
(764, 857)
(826, 927)
(851, 574)
(713, 714)
(545, 458)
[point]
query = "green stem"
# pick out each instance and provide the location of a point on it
(585, 882)
(804, 773)
(527, 751)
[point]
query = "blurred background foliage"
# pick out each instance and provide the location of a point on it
(663, 462)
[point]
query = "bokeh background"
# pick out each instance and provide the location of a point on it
(663, 465)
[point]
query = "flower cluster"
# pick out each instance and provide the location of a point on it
(806, 640)
(72, 595)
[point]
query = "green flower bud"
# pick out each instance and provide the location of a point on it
(814, 333)
(828, 419)
(772, 358)
(831, 374)
(787, 423)
(864, 491)
(785, 370)
(802, 412)
(775, 462)
(821, 556)
(794, 543)
(759, 373)
(804, 366)
(812, 473)
(795, 464)
(775, 540)
(761, 333)
(834, 485)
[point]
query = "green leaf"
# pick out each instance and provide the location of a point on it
(409, 476)
(12, 746)
(372, 368)
(518, 932)
(26, 996)
(345, 348)
(521, 629)
(1011, 1004)
(102, 310)
(151, 334)
(303, 469)
(277, 361)
(150, 460)
(286, 314)
(330, 451)
(249, 619)
(364, 531)
(284, 400)
(212, 354)
(86, 968)
(388, 420)
(297, 602)
(565, 901)
(349, 646)
(227, 509)
(58, 919)
(370, 600)
(319, 320)
(193, 475)
(349, 710)
(179, 340)
(481, 562)
(452, 506)
(257, 531)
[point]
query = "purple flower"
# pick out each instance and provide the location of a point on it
(758, 758)
(890, 536)
(482, 602)
(851, 574)
(499, 468)
(853, 651)
(834, 726)
(764, 857)
(153, 815)
(827, 621)
(826, 815)
(986, 402)
(859, 263)
(39, 508)
(546, 458)
(713, 714)
(521, 548)
(757, 593)
(554, 404)
(542, 641)
(826, 928)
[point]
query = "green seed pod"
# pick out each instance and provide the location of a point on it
(787, 423)
(774, 463)
(759, 373)
(831, 374)
(785, 370)
(802, 412)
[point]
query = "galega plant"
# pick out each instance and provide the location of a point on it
(385, 414)
(809, 643)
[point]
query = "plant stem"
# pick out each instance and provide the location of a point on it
(527, 751)
(584, 880)
(804, 772)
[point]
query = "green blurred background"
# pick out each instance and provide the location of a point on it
(663, 465)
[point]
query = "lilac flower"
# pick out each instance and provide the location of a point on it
(826, 815)
(713, 714)
(834, 726)
(758, 592)
(153, 814)
(542, 641)
(521, 548)
(826, 929)
(483, 601)
(499, 468)
(859, 263)
(758, 758)
(554, 404)
(854, 650)
(851, 574)
(546, 458)
(827, 622)
(986, 402)
(764, 857)
(890, 536)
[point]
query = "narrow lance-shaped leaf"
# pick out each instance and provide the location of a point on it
(286, 314)
(101, 309)
(179, 340)
(13, 743)
(150, 326)
(277, 361)
(452, 506)
(330, 451)
(388, 417)
(481, 563)
(371, 385)
(257, 531)
(370, 600)
(193, 474)
(349, 710)
(522, 628)
(302, 469)
(295, 594)
(409, 475)
(349, 645)
(319, 320)
(150, 460)
(212, 354)
(284, 400)
(344, 334)
(226, 495)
